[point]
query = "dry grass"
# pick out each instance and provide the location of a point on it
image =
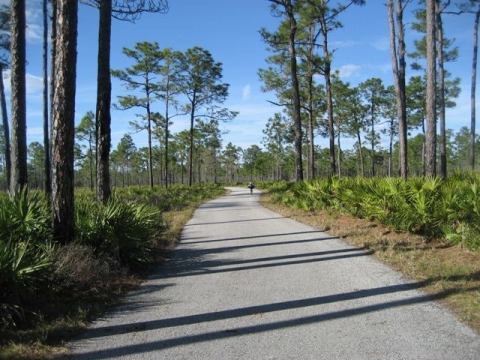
(46, 339)
(176, 220)
(440, 266)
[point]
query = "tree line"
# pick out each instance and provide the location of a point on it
(187, 82)
(302, 54)
(164, 83)
(59, 98)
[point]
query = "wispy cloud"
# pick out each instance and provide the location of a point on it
(246, 129)
(33, 12)
(383, 68)
(246, 92)
(349, 70)
(339, 44)
(381, 44)
(34, 33)
(34, 83)
(360, 71)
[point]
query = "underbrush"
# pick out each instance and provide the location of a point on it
(44, 283)
(442, 209)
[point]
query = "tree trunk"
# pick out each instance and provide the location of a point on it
(6, 129)
(473, 89)
(215, 166)
(339, 162)
(398, 66)
(199, 169)
(390, 149)
(190, 150)
(166, 130)
(63, 121)
(182, 171)
(104, 89)
(296, 95)
(402, 101)
(328, 89)
(311, 112)
(441, 98)
(423, 148)
(372, 133)
(431, 135)
(53, 52)
(18, 97)
(424, 169)
(46, 134)
(90, 157)
(360, 151)
(149, 129)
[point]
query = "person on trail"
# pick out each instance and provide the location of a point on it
(251, 186)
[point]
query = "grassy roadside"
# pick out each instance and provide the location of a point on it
(46, 339)
(451, 271)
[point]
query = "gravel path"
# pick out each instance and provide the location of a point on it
(247, 283)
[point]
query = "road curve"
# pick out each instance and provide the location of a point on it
(247, 283)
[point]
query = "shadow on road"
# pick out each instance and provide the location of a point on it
(236, 221)
(191, 262)
(220, 204)
(257, 237)
(255, 329)
(247, 311)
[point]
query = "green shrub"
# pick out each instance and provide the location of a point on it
(121, 234)
(432, 207)
(26, 252)
(123, 230)
(25, 217)
(174, 197)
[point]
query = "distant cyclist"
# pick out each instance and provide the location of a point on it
(251, 186)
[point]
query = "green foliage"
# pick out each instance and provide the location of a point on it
(25, 217)
(434, 208)
(125, 232)
(25, 251)
(174, 197)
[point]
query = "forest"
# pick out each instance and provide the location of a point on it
(76, 200)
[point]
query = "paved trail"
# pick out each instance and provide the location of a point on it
(246, 283)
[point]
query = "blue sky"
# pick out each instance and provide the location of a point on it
(229, 30)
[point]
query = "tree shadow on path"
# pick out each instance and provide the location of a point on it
(255, 329)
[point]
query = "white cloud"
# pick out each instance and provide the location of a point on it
(349, 70)
(382, 44)
(34, 33)
(246, 129)
(339, 44)
(34, 83)
(34, 17)
(383, 68)
(246, 92)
